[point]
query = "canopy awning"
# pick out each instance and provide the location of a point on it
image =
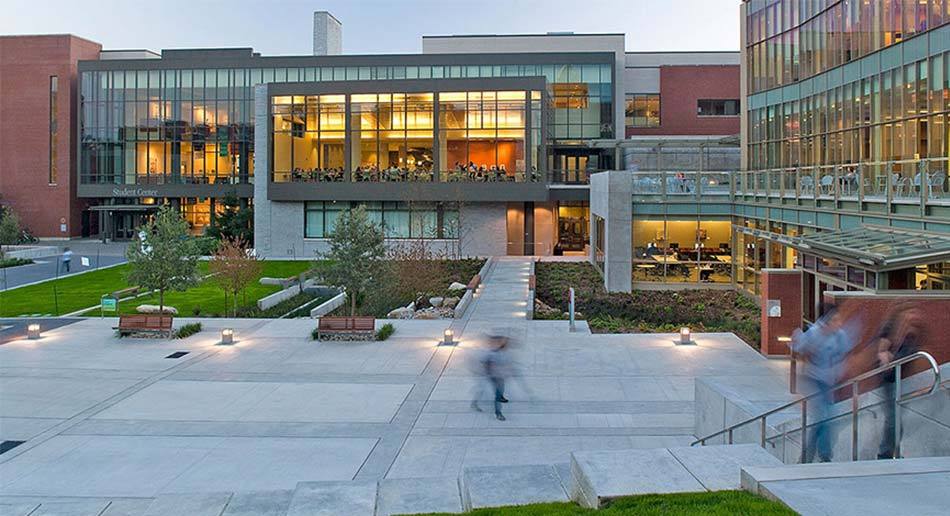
(125, 207)
(880, 248)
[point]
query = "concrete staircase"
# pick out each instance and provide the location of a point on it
(591, 478)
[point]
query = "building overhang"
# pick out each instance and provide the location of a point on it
(216, 190)
(879, 248)
(408, 191)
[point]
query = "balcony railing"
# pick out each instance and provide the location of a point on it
(683, 185)
(900, 182)
(406, 176)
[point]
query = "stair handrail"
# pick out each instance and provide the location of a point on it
(853, 383)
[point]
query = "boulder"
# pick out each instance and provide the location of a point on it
(426, 315)
(457, 286)
(450, 302)
(153, 309)
(436, 301)
(400, 313)
(422, 302)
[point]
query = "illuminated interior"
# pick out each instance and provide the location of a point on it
(682, 251)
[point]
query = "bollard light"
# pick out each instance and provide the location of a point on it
(33, 331)
(227, 336)
(447, 337)
(685, 336)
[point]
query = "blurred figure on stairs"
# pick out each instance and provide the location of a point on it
(898, 337)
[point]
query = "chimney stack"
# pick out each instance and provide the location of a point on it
(327, 34)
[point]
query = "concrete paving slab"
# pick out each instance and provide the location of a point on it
(259, 503)
(752, 476)
(920, 494)
(18, 509)
(602, 475)
(81, 508)
(356, 498)
(127, 507)
(205, 504)
(496, 486)
(719, 467)
(418, 495)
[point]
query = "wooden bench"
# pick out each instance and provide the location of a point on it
(346, 325)
(144, 323)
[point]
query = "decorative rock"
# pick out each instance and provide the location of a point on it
(154, 309)
(457, 286)
(426, 315)
(436, 301)
(400, 313)
(450, 302)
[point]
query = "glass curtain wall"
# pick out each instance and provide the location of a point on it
(309, 136)
(398, 220)
(197, 125)
(166, 126)
(392, 136)
(482, 135)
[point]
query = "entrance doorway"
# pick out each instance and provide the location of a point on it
(573, 226)
(574, 165)
(124, 224)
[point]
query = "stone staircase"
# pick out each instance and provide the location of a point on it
(590, 479)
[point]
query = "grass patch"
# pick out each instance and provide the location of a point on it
(293, 307)
(188, 330)
(14, 262)
(644, 311)
(84, 290)
(385, 332)
(718, 503)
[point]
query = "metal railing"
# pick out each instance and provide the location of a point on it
(896, 365)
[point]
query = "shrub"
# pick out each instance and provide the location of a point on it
(14, 262)
(314, 334)
(206, 245)
(188, 330)
(385, 332)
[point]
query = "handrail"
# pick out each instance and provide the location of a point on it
(853, 383)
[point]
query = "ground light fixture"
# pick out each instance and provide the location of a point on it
(227, 336)
(685, 337)
(33, 331)
(448, 337)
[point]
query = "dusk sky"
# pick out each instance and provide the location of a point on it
(282, 27)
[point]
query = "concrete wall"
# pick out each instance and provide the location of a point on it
(47, 209)
(610, 198)
(484, 229)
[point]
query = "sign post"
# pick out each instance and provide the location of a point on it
(571, 309)
(108, 303)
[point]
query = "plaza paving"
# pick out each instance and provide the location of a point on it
(108, 418)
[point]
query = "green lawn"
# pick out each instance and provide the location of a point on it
(84, 290)
(720, 503)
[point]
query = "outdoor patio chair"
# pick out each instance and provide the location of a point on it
(935, 184)
(827, 184)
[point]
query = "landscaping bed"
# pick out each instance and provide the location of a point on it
(643, 311)
(402, 282)
(14, 262)
(717, 503)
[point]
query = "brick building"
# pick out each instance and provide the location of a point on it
(38, 130)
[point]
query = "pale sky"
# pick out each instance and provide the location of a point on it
(284, 27)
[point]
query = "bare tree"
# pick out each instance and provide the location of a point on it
(234, 267)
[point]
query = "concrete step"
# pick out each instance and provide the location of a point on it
(495, 486)
(351, 497)
(598, 476)
(919, 486)
(418, 495)
(194, 504)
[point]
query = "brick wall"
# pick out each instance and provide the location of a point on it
(680, 89)
(26, 65)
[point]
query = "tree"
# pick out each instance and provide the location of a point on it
(10, 230)
(234, 222)
(164, 257)
(355, 255)
(234, 268)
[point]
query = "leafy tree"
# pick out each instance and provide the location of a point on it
(234, 268)
(355, 255)
(234, 222)
(10, 230)
(164, 257)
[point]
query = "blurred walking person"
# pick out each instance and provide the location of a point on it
(67, 258)
(899, 336)
(823, 348)
(495, 367)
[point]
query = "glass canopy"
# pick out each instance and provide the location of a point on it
(881, 247)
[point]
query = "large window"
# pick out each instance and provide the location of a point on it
(483, 131)
(642, 110)
(717, 107)
(418, 220)
(683, 250)
(53, 127)
(392, 131)
(309, 136)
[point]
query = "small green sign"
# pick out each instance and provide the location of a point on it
(109, 304)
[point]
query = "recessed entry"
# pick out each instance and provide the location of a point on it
(177, 354)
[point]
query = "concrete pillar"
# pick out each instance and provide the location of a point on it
(781, 309)
(611, 198)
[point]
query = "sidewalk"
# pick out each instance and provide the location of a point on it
(50, 267)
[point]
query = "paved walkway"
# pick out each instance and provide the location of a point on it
(51, 267)
(105, 418)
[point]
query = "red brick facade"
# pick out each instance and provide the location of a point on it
(680, 89)
(26, 65)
